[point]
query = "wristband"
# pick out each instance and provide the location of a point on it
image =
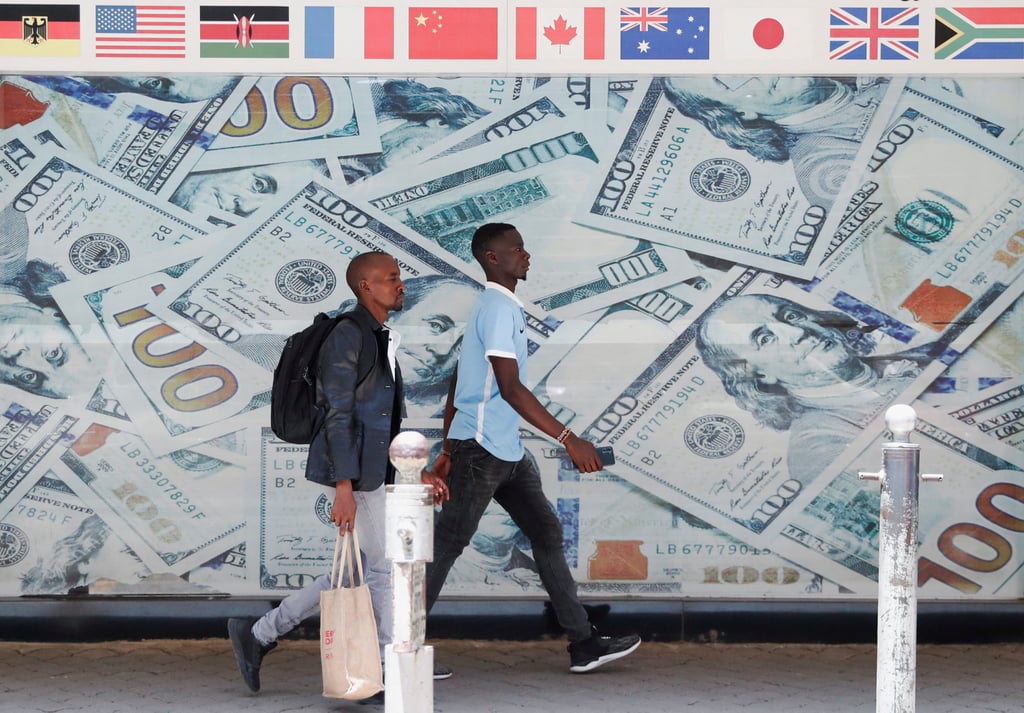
(566, 432)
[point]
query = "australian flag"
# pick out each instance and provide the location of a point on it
(873, 33)
(664, 33)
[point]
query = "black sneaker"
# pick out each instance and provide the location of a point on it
(249, 652)
(596, 651)
(441, 672)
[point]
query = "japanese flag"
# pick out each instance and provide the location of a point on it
(765, 32)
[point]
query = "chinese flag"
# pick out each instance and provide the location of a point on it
(453, 33)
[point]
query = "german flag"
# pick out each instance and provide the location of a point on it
(39, 30)
(243, 31)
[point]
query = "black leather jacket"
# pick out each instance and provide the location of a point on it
(360, 421)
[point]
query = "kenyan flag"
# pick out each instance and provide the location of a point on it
(243, 31)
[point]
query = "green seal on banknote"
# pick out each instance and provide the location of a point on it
(322, 508)
(714, 436)
(924, 222)
(97, 251)
(13, 544)
(720, 179)
(305, 281)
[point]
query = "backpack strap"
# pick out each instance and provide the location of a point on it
(367, 356)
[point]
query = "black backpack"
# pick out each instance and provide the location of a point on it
(294, 416)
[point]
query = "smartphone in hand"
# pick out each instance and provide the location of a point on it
(605, 453)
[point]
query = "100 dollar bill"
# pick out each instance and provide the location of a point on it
(77, 218)
(991, 104)
(749, 409)
(618, 540)
(415, 114)
(28, 437)
(21, 148)
(176, 511)
(247, 300)
(504, 123)
(294, 541)
(997, 412)
(700, 179)
(296, 117)
(54, 542)
(148, 133)
(252, 296)
(970, 534)
(175, 390)
(923, 254)
(531, 180)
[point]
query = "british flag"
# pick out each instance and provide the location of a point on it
(643, 19)
(873, 33)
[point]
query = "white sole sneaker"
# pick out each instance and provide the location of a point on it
(602, 660)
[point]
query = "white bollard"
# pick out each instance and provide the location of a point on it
(896, 673)
(408, 664)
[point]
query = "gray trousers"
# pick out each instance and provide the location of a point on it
(304, 603)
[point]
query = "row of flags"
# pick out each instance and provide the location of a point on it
(474, 32)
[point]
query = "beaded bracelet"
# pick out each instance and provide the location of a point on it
(566, 432)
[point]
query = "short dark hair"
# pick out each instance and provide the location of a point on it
(485, 235)
(357, 268)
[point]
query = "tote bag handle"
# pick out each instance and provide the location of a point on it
(343, 552)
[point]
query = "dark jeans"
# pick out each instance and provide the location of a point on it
(475, 477)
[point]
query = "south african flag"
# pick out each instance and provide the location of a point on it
(979, 33)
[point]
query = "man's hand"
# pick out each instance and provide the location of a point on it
(343, 512)
(437, 478)
(583, 454)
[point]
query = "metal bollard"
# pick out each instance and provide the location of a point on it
(895, 678)
(409, 515)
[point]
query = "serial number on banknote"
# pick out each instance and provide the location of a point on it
(697, 548)
(161, 481)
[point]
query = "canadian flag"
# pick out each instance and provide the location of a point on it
(560, 33)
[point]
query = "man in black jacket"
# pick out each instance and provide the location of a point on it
(349, 455)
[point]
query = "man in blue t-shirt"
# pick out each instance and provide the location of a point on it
(483, 456)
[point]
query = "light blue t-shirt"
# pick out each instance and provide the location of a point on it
(497, 327)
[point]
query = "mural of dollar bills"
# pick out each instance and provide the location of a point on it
(733, 277)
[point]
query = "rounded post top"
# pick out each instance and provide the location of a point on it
(901, 420)
(409, 453)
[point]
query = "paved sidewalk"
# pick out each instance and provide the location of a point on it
(199, 676)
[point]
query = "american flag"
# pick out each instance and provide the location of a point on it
(873, 33)
(156, 31)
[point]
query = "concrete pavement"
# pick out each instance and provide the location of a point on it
(193, 676)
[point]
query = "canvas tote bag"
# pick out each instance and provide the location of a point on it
(349, 653)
